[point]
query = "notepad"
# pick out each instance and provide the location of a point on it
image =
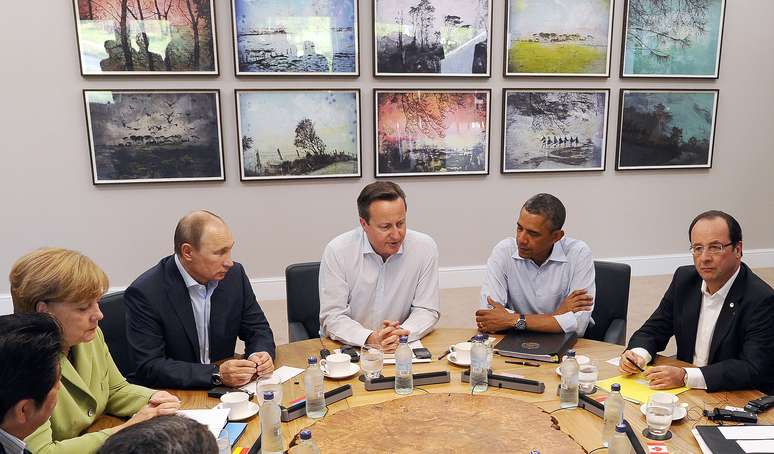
(283, 373)
(636, 387)
(214, 418)
(389, 358)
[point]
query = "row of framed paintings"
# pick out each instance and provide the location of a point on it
(141, 136)
(410, 37)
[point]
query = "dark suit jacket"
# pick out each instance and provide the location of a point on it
(740, 355)
(161, 330)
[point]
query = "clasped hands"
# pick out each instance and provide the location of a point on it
(499, 319)
(239, 372)
(388, 337)
(659, 377)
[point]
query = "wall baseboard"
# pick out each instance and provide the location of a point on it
(273, 288)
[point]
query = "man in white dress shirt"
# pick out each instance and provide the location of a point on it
(720, 312)
(379, 281)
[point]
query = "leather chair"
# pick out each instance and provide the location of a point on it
(611, 304)
(113, 326)
(303, 300)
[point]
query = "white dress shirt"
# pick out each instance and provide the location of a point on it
(11, 444)
(526, 288)
(359, 290)
(201, 302)
(711, 304)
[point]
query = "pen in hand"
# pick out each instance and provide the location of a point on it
(635, 364)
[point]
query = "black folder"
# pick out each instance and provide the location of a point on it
(549, 347)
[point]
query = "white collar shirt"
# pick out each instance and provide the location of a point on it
(201, 303)
(11, 444)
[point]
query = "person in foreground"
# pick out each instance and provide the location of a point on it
(184, 315)
(720, 312)
(539, 280)
(379, 281)
(170, 434)
(68, 286)
(31, 343)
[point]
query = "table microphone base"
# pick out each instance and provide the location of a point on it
(426, 378)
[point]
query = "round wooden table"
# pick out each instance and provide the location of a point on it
(585, 427)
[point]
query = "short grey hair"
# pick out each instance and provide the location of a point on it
(190, 228)
(549, 207)
(169, 434)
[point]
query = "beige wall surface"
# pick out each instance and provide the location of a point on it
(48, 198)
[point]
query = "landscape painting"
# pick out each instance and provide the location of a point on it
(666, 129)
(558, 38)
(296, 37)
(554, 130)
(673, 38)
(286, 134)
(154, 136)
(432, 132)
(149, 37)
(432, 37)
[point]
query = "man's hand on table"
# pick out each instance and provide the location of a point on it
(263, 363)
(388, 337)
(626, 364)
(665, 377)
(494, 319)
(237, 372)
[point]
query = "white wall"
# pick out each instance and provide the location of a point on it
(48, 198)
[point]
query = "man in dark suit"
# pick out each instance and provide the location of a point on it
(185, 314)
(720, 312)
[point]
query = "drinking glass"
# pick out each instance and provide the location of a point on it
(587, 377)
(273, 384)
(371, 361)
(224, 446)
(661, 407)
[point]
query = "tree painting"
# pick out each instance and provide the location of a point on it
(673, 38)
(146, 36)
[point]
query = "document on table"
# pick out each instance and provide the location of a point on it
(214, 418)
(747, 432)
(636, 387)
(756, 446)
(389, 358)
(283, 373)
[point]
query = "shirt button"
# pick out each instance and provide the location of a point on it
(91, 412)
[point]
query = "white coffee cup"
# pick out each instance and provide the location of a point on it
(461, 351)
(336, 364)
(236, 402)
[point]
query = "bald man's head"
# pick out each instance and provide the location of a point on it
(190, 228)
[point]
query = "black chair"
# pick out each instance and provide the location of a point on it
(303, 299)
(113, 326)
(611, 303)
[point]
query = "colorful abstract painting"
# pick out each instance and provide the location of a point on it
(554, 130)
(432, 37)
(432, 132)
(296, 37)
(558, 38)
(666, 129)
(146, 37)
(287, 134)
(673, 38)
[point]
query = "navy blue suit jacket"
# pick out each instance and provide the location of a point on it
(163, 343)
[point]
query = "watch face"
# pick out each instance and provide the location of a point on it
(521, 324)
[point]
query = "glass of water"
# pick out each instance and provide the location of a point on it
(661, 407)
(224, 446)
(588, 374)
(371, 361)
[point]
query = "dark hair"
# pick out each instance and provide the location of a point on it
(191, 228)
(378, 190)
(549, 207)
(734, 229)
(168, 434)
(30, 344)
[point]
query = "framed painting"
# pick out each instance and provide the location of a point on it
(672, 38)
(666, 129)
(558, 38)
(432, 37)
(146, 37)
(289, 134)
(431, 132)
(554, 130)
(295, 37)
(148, 136)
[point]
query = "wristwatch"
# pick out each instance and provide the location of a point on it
(521, 323)
(216, 379)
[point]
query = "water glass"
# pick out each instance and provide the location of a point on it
(661, 407)
(224, 446)
(273, 384)
(372, 361)
(587, 377)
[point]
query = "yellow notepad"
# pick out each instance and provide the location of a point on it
(635, 387)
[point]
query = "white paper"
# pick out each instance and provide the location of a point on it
(214, 418)
(614, 361)
(284, 374)
(389, 358)
(747, 432)
(763, 446)
(702, 445)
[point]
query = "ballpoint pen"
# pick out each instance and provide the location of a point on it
(523, 363)
(635, 364)
(444, 355)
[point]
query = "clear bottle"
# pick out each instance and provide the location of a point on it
(306, 445)
(614, 407)
(620, 444)
(479, 365)
(314, 391)
(404, 380)
(271, 427)
(568, 391)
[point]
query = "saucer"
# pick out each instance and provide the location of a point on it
(679, 414)
(252, 410)
(353, 369)
(453, 359)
